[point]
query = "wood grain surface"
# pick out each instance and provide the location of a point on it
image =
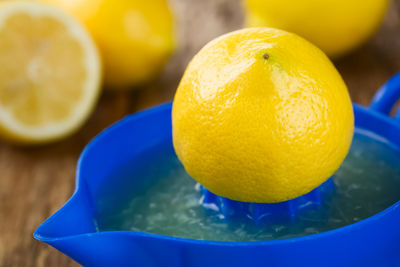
(35, 182)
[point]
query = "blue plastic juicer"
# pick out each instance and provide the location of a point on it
(374, 241)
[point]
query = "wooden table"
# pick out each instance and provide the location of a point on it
(35, 182)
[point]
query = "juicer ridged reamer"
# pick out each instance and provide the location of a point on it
(267, 212)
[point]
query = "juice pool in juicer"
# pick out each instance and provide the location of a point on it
(169, 204)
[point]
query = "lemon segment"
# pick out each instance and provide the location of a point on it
(50, 73)
(261, 115)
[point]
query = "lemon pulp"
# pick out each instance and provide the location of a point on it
(50, 73)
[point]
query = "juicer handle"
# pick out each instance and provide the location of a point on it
(387, 96)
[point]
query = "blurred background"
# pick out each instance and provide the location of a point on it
(36, 181)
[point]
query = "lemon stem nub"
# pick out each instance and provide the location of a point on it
(266, 56)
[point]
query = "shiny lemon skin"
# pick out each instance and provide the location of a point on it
(135, 37)
(261, 115)
(335, 26)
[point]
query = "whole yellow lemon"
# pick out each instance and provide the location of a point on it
(335, 26)
(135, 37)
(261, 115)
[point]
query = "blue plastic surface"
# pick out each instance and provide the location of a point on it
(374, 241)
(261, 213)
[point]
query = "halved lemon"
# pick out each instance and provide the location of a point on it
(50, 73)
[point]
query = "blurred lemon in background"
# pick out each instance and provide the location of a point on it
(261, 115)
(335, 26)
(50, 73)
(135, 37)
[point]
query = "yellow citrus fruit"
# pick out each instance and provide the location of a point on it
(335, 26)
(261, 115)
(50, 73)
(135, 37)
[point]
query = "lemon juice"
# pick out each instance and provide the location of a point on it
(167, 202)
